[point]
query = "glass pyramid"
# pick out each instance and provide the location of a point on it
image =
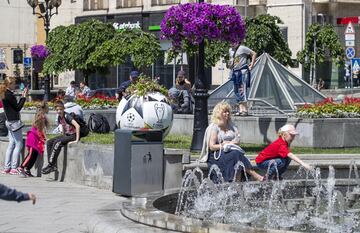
(274, 89)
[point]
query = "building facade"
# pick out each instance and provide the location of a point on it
(23, 30)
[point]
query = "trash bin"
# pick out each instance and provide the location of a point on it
(138, 162)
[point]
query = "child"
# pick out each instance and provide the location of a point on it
(35, 142)
(277, 154)
(71, 134)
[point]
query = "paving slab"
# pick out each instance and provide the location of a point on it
(64, 207)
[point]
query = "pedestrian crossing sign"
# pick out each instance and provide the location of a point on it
(355, 64)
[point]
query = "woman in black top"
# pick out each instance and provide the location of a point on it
(12, 109)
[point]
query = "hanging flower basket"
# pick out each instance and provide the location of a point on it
(39, 54)
(39, 51)
(189, 24)
(38, 64)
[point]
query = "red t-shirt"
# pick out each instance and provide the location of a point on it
(278, 148)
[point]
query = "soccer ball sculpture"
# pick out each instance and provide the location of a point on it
(151, 111)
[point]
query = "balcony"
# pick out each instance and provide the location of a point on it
(164, 2)
(93, 5)
(128, 3)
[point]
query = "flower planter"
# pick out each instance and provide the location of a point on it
(38, 64)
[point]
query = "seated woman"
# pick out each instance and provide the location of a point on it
(221, 132)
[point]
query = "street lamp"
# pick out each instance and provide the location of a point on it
(46, 8)
(201, 106)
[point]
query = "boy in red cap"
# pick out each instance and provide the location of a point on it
(278, 156)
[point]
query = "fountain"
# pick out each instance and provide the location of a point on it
(305, 203)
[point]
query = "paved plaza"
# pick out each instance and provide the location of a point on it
(64, 207)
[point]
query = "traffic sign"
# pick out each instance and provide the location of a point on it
(349, 36)
(2, 65)
(349, 29)
(27, 61)
(350, 43)
(355, 64)
(350, 52)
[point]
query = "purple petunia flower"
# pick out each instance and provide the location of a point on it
(39, 51)
(191, 23)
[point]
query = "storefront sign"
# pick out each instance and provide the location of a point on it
(119, 26)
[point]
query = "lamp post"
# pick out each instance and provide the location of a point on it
(201, 107)
(46, 8)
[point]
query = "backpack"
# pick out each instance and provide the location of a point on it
(98, 123)
(84, 129)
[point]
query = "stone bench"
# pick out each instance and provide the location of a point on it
(341, 163)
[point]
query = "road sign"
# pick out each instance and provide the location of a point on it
(350, 43)
(27, 61)
(349, 36)
(355, 64)
(2, 65)
(349, 29)
(350, 52)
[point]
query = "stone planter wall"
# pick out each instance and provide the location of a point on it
(317, 133)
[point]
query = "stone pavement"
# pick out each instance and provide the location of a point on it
(64, 207)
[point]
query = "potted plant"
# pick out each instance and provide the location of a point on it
(38, 54)
(146, 107)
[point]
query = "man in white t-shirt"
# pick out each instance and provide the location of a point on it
(240, 74)
(71, 90)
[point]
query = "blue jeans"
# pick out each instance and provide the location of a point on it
(280, 163)
(14, 149)
(241, 87)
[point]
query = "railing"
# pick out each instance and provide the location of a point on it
(128, 3)
(164, 2)
(92, 5)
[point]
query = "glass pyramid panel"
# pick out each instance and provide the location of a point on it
(299, 91)
(224, 92)
(269, 90)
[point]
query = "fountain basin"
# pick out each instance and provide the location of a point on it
(157, 209)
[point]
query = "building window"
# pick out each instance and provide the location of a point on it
(164, 2)
(128, 3)
(93, 5)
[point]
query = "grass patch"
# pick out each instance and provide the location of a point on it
(178, 141)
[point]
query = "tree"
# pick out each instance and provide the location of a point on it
(93, 45)
(263, 35)
(71, 46)
(327, 42)
(143, 48)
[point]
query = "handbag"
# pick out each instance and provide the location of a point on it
(14, 125)
(229, 147)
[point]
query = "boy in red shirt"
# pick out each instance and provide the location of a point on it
(278, 155)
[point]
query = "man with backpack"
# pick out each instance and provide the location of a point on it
(73, 128)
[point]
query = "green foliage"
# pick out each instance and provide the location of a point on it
(71, 46)
(263, 35)
(327, 41)
(143, 47)
(93, 45)
(145, 85)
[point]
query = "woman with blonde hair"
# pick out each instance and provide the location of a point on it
(12, 109)
(224, 133)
